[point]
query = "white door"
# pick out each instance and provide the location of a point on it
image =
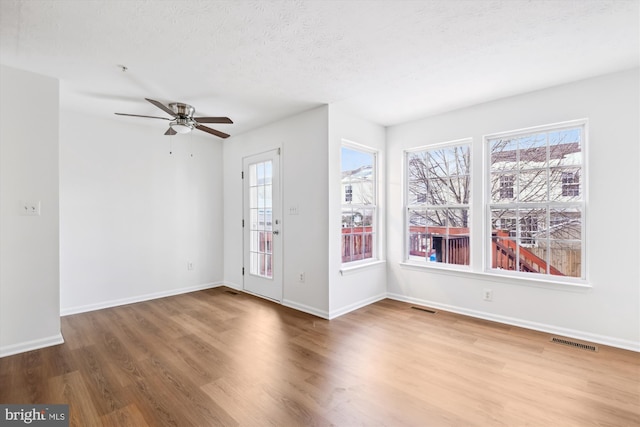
(262, 220)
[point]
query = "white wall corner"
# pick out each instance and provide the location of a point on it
(306, 309)
(355, 306)
(29, 245)
(10, 350)
(232, 285)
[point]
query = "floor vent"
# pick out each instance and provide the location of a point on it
(574, 344)
(428, 310)
(232, 292)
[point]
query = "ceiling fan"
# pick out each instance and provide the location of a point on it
(182, 120)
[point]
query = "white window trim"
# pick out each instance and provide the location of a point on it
(355, 266)
(423, 263)
(581, 282)
(500, 278)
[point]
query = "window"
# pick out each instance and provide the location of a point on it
(506, 186)
(535, 208)
(571, 183)
(348, 193)
(437, 212)
(359, 204)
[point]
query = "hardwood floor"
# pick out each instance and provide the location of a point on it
(217, 357)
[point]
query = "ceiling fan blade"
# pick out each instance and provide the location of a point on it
(138, 115)
(161, 106)
(213, 120)
(170, 131)
(212, 131)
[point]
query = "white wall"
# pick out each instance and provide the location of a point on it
(609, 312)
(29, 274)
(303, 142)
(132, 215)
(352, 289)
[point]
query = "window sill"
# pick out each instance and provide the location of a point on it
(350, 269)
(497, 277)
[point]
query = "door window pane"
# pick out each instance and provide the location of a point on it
(260, 226)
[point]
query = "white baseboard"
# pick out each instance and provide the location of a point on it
(333, 314)
(232, 285)
(541, 327)
(306, 309)
(352, 307)
(138, 298)
(12, 349)
(287, 303)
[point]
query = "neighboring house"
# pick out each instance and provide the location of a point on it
(357, 185)
(357, 192)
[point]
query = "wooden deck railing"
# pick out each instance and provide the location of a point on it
(504, 249)
(446, 244)
(357, 243)
(505, 253)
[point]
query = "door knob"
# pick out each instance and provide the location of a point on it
(276, 232)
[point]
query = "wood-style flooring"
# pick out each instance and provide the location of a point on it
(221, 358)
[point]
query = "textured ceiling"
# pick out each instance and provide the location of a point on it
(258, 61)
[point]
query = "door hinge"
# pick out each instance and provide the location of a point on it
(278, 151)
(243, 223)
(242, 174)
(243, 271)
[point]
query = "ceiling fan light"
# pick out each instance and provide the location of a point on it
(181, 127)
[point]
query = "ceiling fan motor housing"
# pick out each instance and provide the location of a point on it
(183, 123)
(182, 110)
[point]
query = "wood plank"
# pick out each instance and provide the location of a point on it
(129, 416)
(217, 358)
(72, 389)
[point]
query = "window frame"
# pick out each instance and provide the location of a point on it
(581, 182)
(374, 207)
(408, 207)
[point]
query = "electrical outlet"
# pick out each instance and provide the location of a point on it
(487, 294)
(301, 277)
(30, 208)
(189, 265)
